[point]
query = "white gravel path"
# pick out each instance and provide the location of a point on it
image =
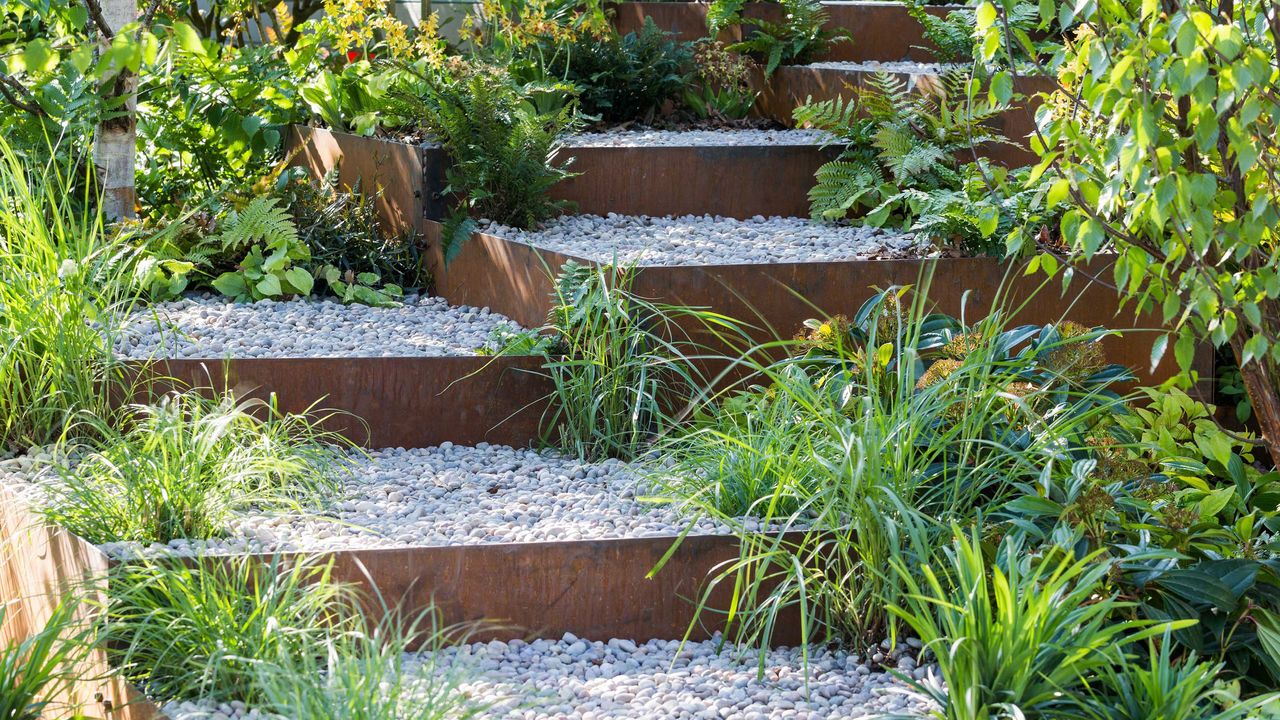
(447, 495)
(575, 679)
(212, 327)
(908, 67)
(708, 240)
(696, 138)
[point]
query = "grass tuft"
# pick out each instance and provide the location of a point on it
(179, 468)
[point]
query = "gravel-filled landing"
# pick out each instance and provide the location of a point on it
(212, 327)
(578, 679)
(574, 679)
(446, 495)
(711, 240)
(696, 138)
(906, 67)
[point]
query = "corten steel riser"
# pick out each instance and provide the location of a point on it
(882, 31)
(512, 278)
(732, 181)
(595, 589)
(385, 402)
(39, 563)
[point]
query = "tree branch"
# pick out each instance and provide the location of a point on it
(95, 14)
(27, 102)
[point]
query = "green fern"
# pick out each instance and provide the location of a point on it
(841, 119)
(900, 161)
(504, 149)
(263, 222)
(798, 40)
(952, 35)
(843, 186)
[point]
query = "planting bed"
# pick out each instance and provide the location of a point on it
(572, 678)
(447, 495)
(793, 85)
(210, 327)
(880, 30)
(706, 240)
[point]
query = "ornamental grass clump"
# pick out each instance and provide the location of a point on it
(877, 434)
(623, 367)
(181, 467)
(200, 631)
(64, 278)
(364, 673)
(36, 669)
(1018, 636)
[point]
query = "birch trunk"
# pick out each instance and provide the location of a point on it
(114, 146)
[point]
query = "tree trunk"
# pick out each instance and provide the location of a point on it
(1264, 394)
(115, 144)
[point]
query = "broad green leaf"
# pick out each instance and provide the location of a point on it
(188, 39)
(300, 280)
(269, 286)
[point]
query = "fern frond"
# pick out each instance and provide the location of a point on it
(261, 221)
(843, 186)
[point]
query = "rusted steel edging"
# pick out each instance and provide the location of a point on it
(380, 402)
(39, 565)
(880, 30)
(513, 278)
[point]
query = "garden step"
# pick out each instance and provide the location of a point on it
(385, 377)
(210, 327)
(451, 495)
(572, 678)
(513, 276)
(699, 173)
(537, 543)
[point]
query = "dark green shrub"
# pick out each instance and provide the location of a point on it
(627, 78)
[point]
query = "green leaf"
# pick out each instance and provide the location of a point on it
(1268, 624)
(1213, 503)
(231, 284)
(188, 39)
(1184, 350)
(269, 286)
(39, 56)
(985, 15)
(1158, 347)
(1002, 86)
(300, 280)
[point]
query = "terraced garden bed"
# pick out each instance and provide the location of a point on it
(879, 30)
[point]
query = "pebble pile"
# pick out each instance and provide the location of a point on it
(696, 138)
(575, 679)
(708, 240)
(446, 495)
(211, 327)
